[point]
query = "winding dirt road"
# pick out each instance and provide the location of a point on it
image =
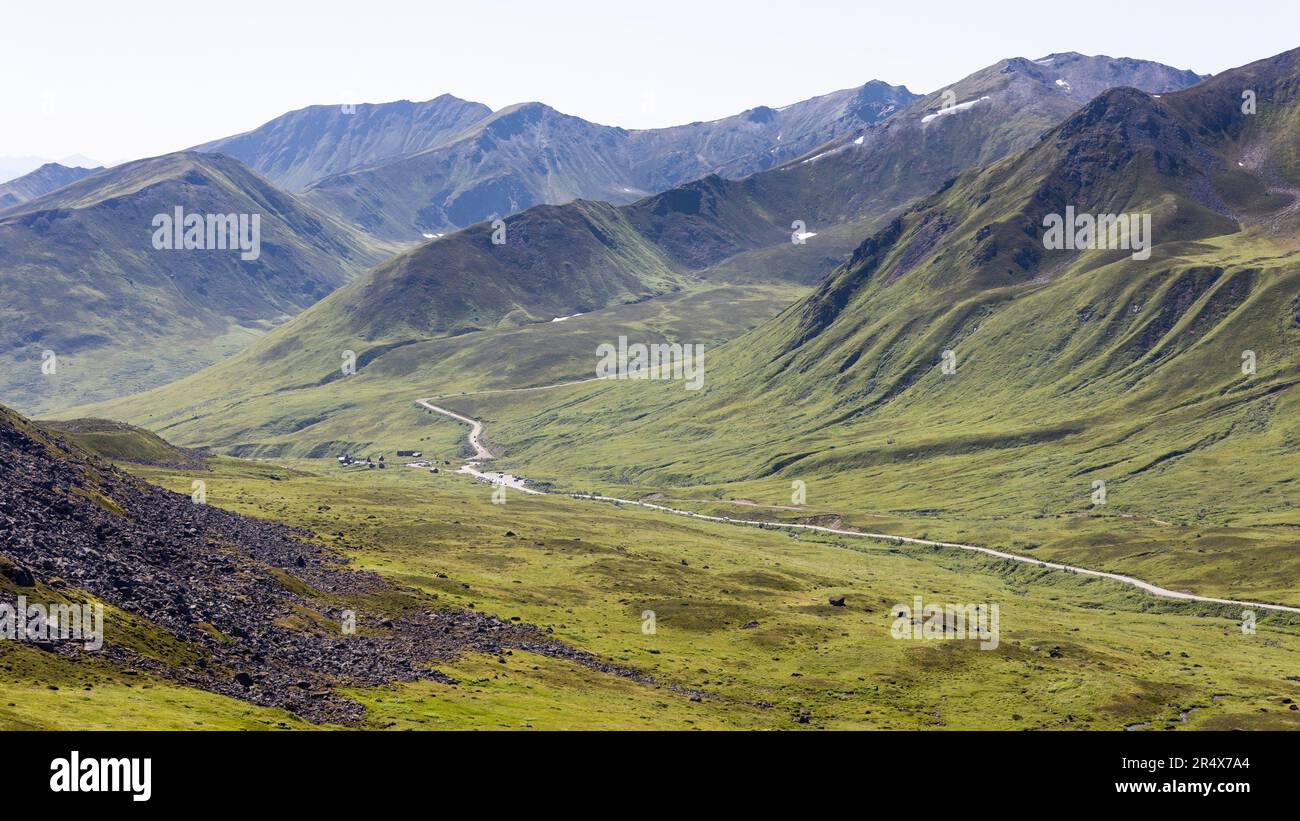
(475, 431)
(482, 454)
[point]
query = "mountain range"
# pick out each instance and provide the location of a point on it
(530, 154)
(561, 260)
(145, 324)
(405, 169)
(475, 164)
(183, 320)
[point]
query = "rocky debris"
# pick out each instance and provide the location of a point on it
(259, 607)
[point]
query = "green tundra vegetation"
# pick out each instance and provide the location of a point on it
(744, 635)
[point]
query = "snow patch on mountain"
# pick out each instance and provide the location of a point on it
(953, 109)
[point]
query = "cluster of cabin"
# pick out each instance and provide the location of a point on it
(348, 460)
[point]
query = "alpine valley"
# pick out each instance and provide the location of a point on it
(383, 472)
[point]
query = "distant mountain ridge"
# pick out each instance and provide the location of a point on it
(404, 169)
(311, 143)
(848, 184)
(13, 167)
(43, 180)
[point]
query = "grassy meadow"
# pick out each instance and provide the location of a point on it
(744, 635)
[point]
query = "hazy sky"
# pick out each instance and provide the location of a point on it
(123, 79)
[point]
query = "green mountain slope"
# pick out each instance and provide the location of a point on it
(1071, 367)
(80, 276)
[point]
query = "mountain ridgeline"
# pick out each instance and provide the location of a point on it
(560, 260)
(82, 282)
(303, 146)
(530, 154)
(40, 182)
(556, 261)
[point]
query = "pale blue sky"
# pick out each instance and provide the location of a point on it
(127, 79)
